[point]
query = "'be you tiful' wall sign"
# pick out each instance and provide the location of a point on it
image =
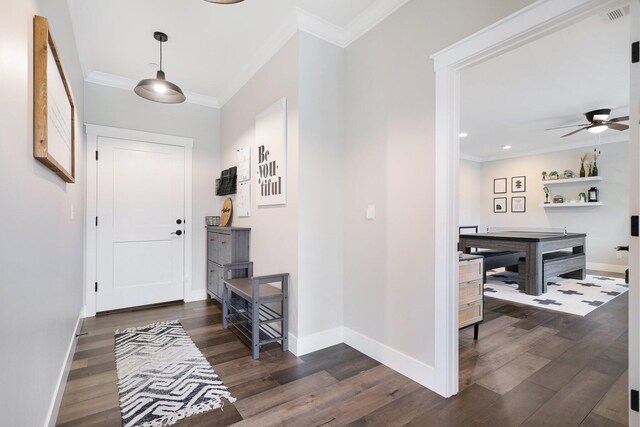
(271, 147)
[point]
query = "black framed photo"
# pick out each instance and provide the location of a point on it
(500, 186)
(500, 204)
(518, 184)
(518, 204)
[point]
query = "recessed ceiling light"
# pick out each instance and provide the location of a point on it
(506, 147)
(463, 135)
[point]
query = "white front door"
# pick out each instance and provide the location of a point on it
(140, 223)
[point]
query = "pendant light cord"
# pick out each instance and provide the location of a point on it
(161, 56)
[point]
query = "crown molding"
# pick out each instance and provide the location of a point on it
(371, 17)
(120, 82)
(322, 29)
(277, 40)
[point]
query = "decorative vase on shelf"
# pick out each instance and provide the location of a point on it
(595, 169)
(582, 171)
(590, 171)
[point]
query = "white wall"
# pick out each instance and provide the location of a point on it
(41, 257)
(321, 172)
(389, 162)
(120, 108)
(274, 229)
(606, 226)
(470, 174)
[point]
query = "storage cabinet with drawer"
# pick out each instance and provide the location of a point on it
(225, 245)
(471, 291)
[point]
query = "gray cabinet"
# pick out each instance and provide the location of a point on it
(225, 245)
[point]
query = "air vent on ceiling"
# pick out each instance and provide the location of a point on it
(615, 14)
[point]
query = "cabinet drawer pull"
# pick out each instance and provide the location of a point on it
(472, 303)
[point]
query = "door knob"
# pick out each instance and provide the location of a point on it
(178, 221)
(178, 233)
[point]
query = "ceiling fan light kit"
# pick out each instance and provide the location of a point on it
(598, 122)
(160, 89)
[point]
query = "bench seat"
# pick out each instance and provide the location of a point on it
(498, 259)
(561, 263)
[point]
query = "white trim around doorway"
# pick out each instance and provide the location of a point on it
(93, 132)
(532, 22)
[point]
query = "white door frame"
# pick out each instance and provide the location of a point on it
(528, 24)
(90, 240)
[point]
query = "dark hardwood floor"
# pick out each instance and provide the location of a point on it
(531, 367)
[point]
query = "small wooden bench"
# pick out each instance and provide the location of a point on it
(498, 259)
(561, 263)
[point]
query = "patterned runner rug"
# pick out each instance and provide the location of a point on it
(567, 295)
(163, 377)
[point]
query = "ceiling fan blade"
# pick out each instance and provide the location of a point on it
(618, 126)
(575, 131)
(569, 126)
(619, 119)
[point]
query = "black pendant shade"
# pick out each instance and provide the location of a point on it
(160, 89)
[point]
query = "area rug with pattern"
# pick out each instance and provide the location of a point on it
(567, 295)
(163, 377)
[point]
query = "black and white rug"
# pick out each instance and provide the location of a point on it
(567, 295)
(163, 377)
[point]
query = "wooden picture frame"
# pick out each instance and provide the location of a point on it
(500, 186)
(519, 184)
(518, 204)
(53, 106)
(500, 205)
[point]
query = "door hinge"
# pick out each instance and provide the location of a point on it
(635, 228)
(635, 52)
(96, 286)
(96, 154)
(635, 404)
(96, 221)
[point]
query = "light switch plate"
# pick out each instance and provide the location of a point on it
(371, 212)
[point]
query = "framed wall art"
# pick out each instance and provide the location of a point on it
(271, 155)
(500, 204)
(53, 106)
(518, 184)
(500, 186)
(519, 204)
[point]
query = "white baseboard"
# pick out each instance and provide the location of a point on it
(195, 295)
(418, 371)
(54, 408)
(613, 268)
(314, 342)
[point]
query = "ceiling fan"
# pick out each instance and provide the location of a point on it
(598, 122)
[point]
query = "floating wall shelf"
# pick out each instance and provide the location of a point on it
(570, 205)
(570, 180)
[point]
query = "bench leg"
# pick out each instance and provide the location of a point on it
(476, 330)
(255, 332)
(225, 307)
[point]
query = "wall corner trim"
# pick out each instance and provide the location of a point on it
(56, 401)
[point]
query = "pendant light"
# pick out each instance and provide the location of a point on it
(160, 89)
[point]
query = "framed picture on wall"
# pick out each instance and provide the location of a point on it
(500, 186)
(500, 204)
(518, 184)
(518, 204)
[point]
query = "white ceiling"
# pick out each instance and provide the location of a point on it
(512, 98)
(210, 45)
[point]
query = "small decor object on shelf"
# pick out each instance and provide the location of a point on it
(594, 195)
(582, 197)
(500, 205)
(518, 184)
(227, 210)
(558, 199)
(546, 194)
(212, 220)
(590, 165)
(568, 174)
(596, 154)
(553, 175)
(583, 159)
(518, 204)
(500, 186)
(544, 175)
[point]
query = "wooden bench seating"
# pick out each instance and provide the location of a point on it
(497, 259)
(561, 263)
